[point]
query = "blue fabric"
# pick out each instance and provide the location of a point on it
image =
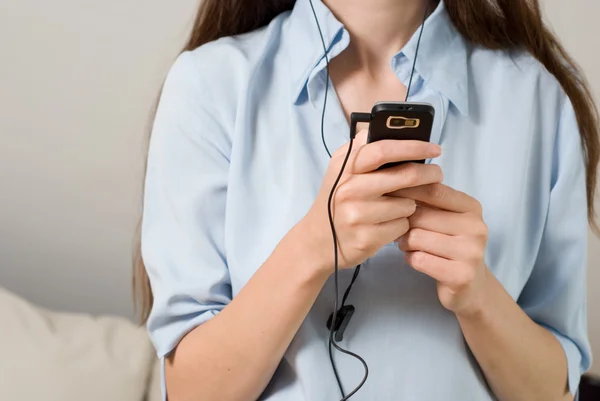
(236, 160)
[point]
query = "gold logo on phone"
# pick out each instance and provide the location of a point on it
(399, 122)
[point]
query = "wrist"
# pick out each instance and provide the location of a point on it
(303, 248)
(481, 304)
(313, 247)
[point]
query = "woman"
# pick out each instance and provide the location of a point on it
(477, 293)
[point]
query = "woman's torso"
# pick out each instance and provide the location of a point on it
(496, 131)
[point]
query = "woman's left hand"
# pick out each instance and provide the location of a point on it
(447, 241)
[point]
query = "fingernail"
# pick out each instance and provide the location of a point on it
(436, 149)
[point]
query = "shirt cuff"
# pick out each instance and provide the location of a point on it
(167, 337)
(573, 355)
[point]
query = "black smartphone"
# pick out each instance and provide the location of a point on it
(401, 121)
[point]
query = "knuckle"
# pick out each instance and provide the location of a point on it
(352, 215)
(417, 215)
(419, 259)
(410, 206)
(476, 253)
(344, 193)
(414, 238)
(378, 154)
(436, 191)
(478, 227)
(362, 242)
(466, 276)
(483, 230)
(403, 227)
(362, 246)
(439, 174)
(410, 175)
(434, 173)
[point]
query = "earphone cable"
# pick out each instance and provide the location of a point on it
(414, 66)
(337, 288)
(326, 80)
(347, 293)
(332, 342)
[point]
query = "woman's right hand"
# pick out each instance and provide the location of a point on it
(365, 218)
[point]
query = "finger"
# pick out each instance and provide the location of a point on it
(361, 138)
(442, 221)
(391, 230)
(444, 246)
(382, 182)
(442, 197)
(442, 270)
(374, 155)
(382, 210)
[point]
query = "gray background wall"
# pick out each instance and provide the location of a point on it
(77, 81)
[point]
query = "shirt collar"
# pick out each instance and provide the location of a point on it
(442, 59)
(305, 43)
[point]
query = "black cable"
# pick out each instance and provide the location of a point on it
(326, 52)
(337, 287)
(412, 72)
(354, 277)
(344, 299)
(333, 365)
(332, 342)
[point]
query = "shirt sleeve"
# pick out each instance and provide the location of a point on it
(555, 294)
(184, 208)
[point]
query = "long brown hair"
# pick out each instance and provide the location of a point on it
(494, 24)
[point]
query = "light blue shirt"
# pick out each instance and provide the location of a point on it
(236, 159)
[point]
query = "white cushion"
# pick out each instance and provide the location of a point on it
(69, 357)
(155, 388)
